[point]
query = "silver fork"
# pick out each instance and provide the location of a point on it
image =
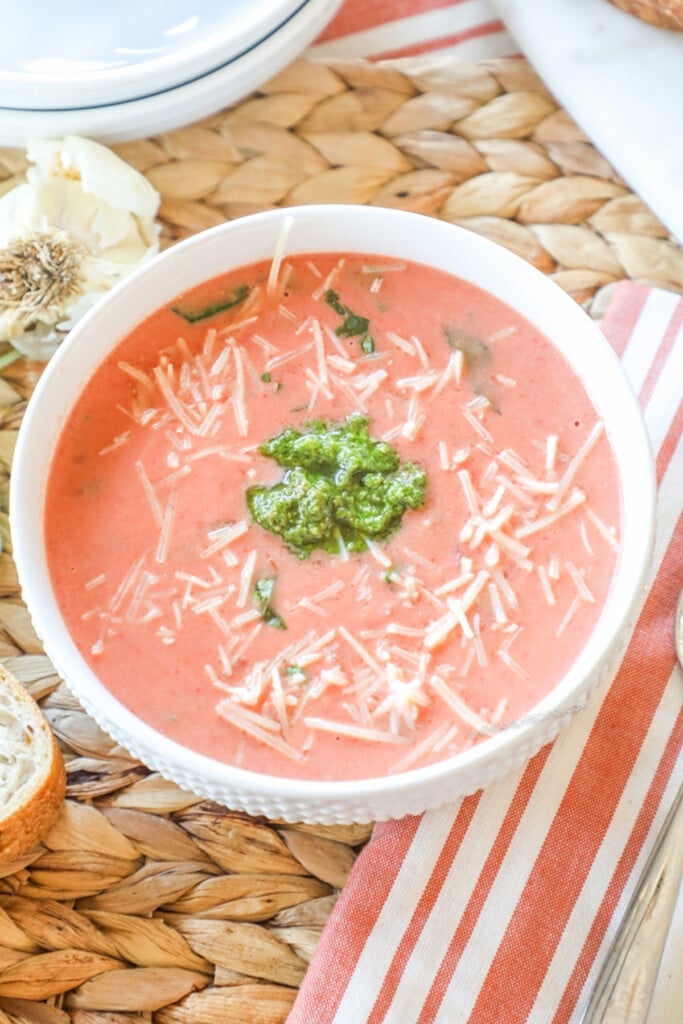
(624, 989)
(625, 985)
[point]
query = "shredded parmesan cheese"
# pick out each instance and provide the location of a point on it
(149, 492)
(258, 727)
(458, 705)
(575, 464)
(354, 731)
(278, 254)
(246, 578)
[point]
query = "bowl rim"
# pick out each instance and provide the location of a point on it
(166, 276)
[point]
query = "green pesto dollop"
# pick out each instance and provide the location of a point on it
(340, 489)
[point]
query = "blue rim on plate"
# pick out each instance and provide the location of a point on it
(52, 56)
(178, 106)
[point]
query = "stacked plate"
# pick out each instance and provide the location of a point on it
(132, 69)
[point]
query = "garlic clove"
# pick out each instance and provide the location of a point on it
(100, 172)
(16, 208)
(80, 223)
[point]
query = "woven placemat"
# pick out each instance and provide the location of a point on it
(213, 915)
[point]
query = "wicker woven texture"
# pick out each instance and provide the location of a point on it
(212, 915)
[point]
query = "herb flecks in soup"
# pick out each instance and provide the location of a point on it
(353, 325)
(263, 594)
(193, 314)
(468, 597)
(341, 488)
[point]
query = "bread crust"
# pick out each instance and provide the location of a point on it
(661, 13)
(27, 823)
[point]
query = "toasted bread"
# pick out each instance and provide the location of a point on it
(32, 776)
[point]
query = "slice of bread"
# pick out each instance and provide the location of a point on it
(32, 776)
(662, 13)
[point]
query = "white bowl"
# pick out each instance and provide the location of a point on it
(173, 107)
(77, 53)
(392, 233)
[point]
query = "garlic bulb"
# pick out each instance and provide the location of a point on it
(82, 220)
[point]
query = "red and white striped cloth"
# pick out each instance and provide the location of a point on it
(499, 908)
(470, 29)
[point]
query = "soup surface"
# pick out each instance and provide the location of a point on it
(360, 653)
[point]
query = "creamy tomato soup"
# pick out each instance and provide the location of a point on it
(355, 657)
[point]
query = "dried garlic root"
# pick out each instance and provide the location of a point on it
(82, 220)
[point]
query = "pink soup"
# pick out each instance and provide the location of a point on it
(408, 652)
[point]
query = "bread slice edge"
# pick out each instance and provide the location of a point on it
(30, 811)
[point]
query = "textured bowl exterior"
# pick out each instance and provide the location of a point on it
(387, 233)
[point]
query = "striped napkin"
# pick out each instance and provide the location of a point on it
(470, 29)
(500, 908)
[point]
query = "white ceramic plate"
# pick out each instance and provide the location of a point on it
(78, 53)
(622, 82)
(175, 107)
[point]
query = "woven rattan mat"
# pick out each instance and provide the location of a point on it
(212, 915)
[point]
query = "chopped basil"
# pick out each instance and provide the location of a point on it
(389, 576)
(477, 357)
(476, 352)
(192, 316)
(266, 378)
(353, 325)
(263, 592)
(340, 489)
(296, 673)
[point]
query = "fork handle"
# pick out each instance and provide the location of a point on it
(624, 988)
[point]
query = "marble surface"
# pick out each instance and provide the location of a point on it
(622, 82)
